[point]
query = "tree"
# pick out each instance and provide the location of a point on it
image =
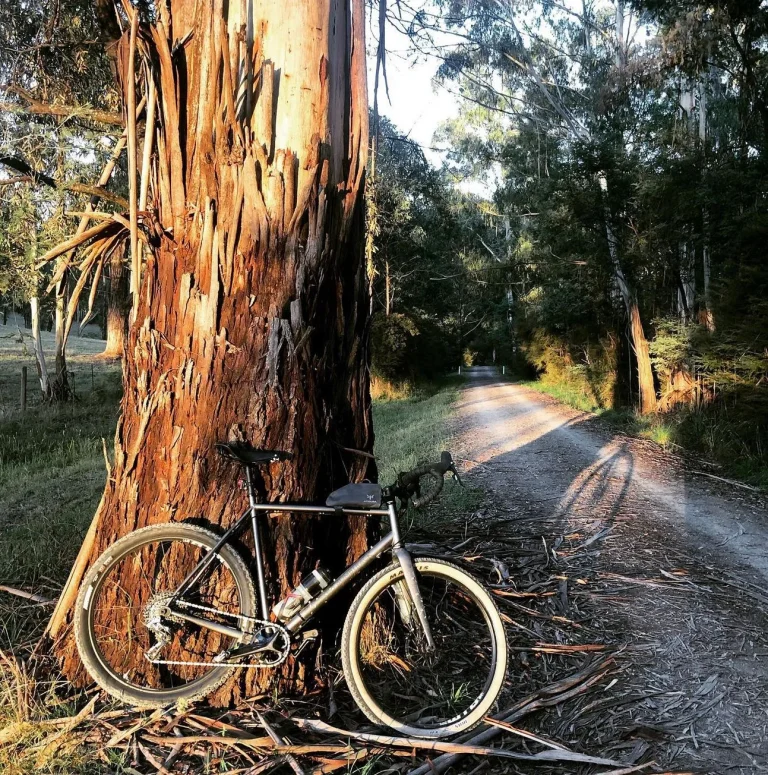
(536, 65)
(251, 312)
(437, 285)
(56, 103)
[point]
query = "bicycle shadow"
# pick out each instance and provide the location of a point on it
(618, 517)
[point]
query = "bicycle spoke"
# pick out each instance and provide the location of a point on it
(123, 603)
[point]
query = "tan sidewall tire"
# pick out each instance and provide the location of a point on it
(349, 653)
(146, 698)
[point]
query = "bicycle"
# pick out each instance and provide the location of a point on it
(423, 646)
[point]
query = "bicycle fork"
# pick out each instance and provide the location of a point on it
(405, 561)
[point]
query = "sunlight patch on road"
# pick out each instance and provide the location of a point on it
(489, 408)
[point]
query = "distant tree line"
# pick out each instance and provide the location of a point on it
(440, 292)
(624, 148)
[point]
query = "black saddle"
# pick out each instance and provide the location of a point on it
(244, 453)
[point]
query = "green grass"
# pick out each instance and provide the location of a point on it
(415, 430)
(566, 393)
(52, 474)
(412, 430)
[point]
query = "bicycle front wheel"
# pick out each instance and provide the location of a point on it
(396, 679)
(121, 612)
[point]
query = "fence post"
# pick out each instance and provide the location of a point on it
(503, 370)
(459, 369)
(23, 388)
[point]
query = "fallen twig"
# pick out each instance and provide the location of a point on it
(291, 760)
(554, 694)
(457, 749)
(728, 481)
(26, 595)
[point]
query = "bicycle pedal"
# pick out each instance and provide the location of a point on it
(307, 637)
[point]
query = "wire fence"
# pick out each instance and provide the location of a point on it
(86, 372)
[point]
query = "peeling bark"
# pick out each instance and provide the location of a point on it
(252, 315)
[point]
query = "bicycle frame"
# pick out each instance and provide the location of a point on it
(391, 540)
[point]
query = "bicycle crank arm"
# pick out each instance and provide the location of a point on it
(257, 647)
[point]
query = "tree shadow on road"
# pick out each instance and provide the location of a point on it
(609, 518)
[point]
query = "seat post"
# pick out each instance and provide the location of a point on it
(257, 544)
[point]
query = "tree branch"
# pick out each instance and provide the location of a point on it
(29, 175)
(37, 108)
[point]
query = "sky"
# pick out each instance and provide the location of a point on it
(416, 105)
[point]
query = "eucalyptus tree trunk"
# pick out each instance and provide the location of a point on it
(118, 305)
(707, 315)
(387, 290)
(60, 389)
(645, 380)
(640, 347)
(686, 293)
(621, 48)
(251, 320)
(37, 344)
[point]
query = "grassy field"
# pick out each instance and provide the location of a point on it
(51, 478)
(51, 473)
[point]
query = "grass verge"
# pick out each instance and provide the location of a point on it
(415, 430)
(412, 429)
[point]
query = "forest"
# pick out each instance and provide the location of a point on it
(613, 252)
(213, 231)
(618, 256)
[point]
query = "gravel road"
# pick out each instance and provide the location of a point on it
(651, 514)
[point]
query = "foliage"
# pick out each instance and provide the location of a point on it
(391, 344)
(51, 54)
(437, 287)
(588, 371)
(658, 136)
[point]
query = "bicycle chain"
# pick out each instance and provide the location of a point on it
(283, 652)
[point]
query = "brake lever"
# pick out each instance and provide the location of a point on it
(456, 476)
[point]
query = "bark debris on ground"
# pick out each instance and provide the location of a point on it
(672, 564)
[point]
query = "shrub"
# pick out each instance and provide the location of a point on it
(589, 369)
(391, 337)
(404, 349)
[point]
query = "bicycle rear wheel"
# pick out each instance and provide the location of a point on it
(122, 602)
(396, 680)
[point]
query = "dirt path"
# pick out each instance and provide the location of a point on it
(702, 646)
